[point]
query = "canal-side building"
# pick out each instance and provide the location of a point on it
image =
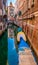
(10, 11)
(18, 4)
(29, 16)
(2, 13)
(3, 6)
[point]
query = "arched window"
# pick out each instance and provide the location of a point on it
(32, 3)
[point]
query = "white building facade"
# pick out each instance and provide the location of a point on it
(10, 11)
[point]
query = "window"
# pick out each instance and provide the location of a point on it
(32, 3)
(11, 9)
(29, 4)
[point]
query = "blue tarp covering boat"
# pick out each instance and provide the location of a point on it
(23, 44)
(19, 29)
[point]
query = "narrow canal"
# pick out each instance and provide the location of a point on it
(19, 53)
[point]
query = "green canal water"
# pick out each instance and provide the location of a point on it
(3, 48)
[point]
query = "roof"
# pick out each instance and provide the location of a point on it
(11, 4)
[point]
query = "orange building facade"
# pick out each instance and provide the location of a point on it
(29, 17)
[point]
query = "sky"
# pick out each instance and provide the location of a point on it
(13, 1)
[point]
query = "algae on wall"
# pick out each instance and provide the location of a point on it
(3, 48)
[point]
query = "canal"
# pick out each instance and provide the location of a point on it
(19, 52)
(13, 52)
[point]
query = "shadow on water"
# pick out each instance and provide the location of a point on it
(12, 53)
